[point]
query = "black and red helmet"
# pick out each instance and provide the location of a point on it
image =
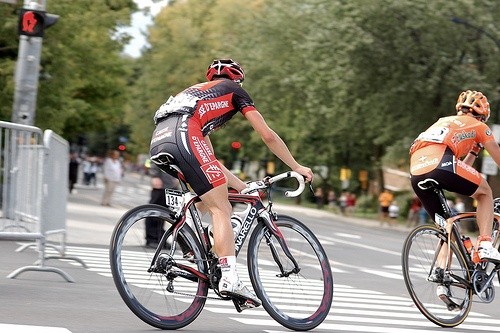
(226, 68)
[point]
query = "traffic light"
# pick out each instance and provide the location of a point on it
(33, 23)
(236, 145)
(122, 147)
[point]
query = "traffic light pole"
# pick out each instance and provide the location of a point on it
(27, 72)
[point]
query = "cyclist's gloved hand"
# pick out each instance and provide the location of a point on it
(477, 149)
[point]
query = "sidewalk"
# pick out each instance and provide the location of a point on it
(90, 223)
(320, 213)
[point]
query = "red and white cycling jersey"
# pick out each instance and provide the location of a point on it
(184, 121)
(211, 104)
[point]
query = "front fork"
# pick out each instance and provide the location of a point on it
(272, 230)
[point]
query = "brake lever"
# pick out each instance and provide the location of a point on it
(311, 189)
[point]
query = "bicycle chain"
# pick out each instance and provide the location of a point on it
(197, 296)
(210, 276)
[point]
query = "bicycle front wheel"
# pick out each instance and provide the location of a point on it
(424, 249)
(299, 301)
(166, 300)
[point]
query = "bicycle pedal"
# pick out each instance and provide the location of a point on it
(242, 304)
(452, 306)
(495, 262)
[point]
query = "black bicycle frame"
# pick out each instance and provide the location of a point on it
(257, 208)
(255, 213)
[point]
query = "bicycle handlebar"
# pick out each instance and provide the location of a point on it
(290, 174)
(266, 182)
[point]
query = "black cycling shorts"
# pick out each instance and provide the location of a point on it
(181, 137)
(449, 179)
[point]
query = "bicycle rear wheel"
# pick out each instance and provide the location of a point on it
(419, 261)
(149, 295)
(299, 301)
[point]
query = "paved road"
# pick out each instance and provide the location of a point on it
(369, 294)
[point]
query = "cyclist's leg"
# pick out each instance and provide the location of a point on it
(484, 197)
(194, 155)
(217, 203)
(451, 181)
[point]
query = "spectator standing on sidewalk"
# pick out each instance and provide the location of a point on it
(332, 199)
(350, 203)
(343, 202)
(73, 170)
(86, 165)
(113, 174)
(393, 213)
(159, 182)
(318, 194)
(385, 198)
(459, 205)
(413, 213)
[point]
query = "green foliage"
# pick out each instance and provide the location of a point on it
(8, 55)
(345, 83)
(83, 76)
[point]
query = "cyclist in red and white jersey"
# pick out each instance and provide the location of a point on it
(437, 154)
(183, 125)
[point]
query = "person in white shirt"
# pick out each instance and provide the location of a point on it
(393, 212)
(113, 173)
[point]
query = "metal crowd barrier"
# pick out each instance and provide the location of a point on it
(34, 190)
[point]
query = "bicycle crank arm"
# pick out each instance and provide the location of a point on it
(190, 273)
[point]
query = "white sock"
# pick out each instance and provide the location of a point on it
(228, 268)
(486, 244)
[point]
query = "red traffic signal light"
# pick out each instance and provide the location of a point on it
(32, 23)
(122, 147)
(236, 145)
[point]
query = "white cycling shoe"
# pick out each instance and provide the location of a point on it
(239, 290)
(444, 294)
(487, 252)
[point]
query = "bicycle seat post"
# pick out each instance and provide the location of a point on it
(431, 184)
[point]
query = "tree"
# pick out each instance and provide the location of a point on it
(184, 39)
(83, 76)
(341, 81)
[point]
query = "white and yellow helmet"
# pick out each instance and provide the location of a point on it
(476, 102)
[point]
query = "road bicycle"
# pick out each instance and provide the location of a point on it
(167, 287)
(441, 256)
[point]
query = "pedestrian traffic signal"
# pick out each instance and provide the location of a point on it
(33, 23)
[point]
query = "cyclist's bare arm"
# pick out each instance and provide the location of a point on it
(233, 181)
(494, 150)
(276, 144)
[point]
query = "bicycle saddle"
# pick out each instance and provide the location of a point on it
(428, 184)
(167, 163)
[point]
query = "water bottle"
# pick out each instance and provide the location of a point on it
(467, 243)
(236, 223)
